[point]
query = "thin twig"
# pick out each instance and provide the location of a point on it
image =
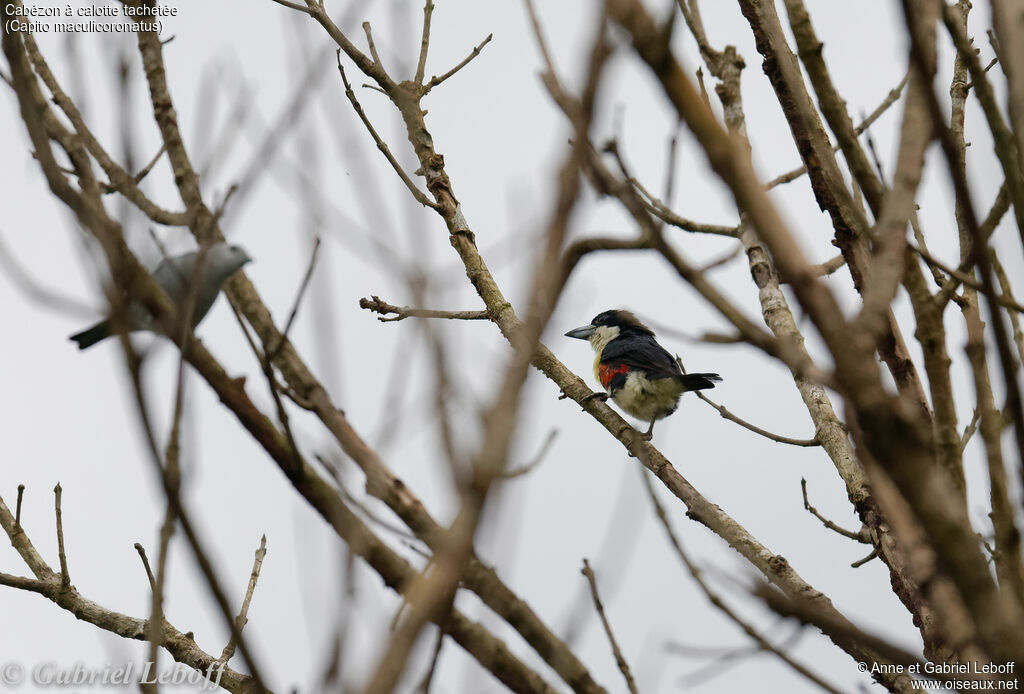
(808, 613)
(861, 536)
(966, 279)
(716, 599)
(875, 158)
(17, 513)
(891, 98)
(620, 660)
(272, 354)
(538, 33)
(719, 664)
(726, 414)
(149, 167)
(242, 619)
(1007, 292)
(829, 266)
(662, 211)
(381, 145)
(937, 276)
(722, 259)
(332, 467)
(424, 687)
(995, 215)
(703, 88)
(421, 64)
(372, 46)
(434, 81)
(34, 290)
(375, 304)
(969, 430)
(861, 562)
(537, 459)
(991, 64)
(145, 563)
(295, 6)
(65, 578)
(181, 646)
(670, 168)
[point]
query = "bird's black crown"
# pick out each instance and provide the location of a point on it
(625, 321)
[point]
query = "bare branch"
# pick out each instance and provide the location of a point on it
(861, 562)
(120, 180)
(17, 516)
(662, 212)
(381, 145)
(145, 564)
(1005, 147)
(242, 619)
(1007, 294)
(715, 599)
(620, 659)
(966, 279)
(389, 312)
(22, 279)
(435, 81)
(525, 469)
(65, 577)
(144, 171)
(421, 64)
(891, 98)
(969, 430)
(862, 535)
(305, 9)
(726, 414)
(51, 585)
(298, 300)
(424, 687)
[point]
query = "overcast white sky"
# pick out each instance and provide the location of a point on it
(234, 67)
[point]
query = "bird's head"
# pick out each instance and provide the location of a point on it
(607, 326)
(227, 259)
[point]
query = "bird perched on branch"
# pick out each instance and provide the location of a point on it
(636, 372)
(175, 276)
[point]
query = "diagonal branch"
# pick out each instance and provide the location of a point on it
(620, 659)
(435, 81)
(381, 145)
(242, 618)
(715, 599)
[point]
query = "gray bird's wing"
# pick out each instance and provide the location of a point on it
(175, 275)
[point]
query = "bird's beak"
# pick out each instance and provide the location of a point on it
(583, 333)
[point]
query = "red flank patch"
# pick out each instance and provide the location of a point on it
(607, 372)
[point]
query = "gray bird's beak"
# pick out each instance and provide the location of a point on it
(583, 333)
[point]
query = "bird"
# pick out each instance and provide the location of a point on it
(637, 373)
(175, 275)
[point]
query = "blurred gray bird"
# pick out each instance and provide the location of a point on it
(174, 275)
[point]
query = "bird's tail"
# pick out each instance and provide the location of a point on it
(87, 338)
(699, 381)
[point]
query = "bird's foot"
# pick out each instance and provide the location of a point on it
(647, 435)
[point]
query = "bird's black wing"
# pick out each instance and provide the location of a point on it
(641, 352)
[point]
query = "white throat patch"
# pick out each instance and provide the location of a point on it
(602, 335)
